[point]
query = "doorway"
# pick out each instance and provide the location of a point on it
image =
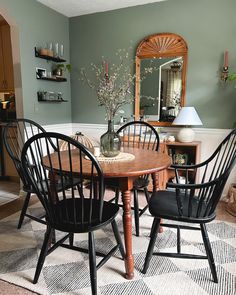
(9, 179)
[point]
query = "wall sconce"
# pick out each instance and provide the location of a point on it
(225, 70)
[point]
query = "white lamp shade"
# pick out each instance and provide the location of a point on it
(187, 116)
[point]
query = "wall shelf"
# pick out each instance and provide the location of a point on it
(53, 100)
(50, 97)
(54, 79)
(47, 57)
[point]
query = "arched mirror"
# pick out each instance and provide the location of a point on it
(161, 62)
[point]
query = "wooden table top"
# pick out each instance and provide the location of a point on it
(145, 162)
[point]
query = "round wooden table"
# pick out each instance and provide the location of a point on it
(123, 173)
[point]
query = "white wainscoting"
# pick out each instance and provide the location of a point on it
(210, 138)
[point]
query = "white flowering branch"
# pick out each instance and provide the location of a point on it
(113, 89)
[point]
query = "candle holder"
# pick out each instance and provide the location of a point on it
(224, 74)
(225, 70)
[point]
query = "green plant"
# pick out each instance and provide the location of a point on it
(64, 67)
(58, 69)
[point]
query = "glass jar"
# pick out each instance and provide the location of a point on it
(110, 141)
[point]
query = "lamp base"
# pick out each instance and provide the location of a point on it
(186, 135)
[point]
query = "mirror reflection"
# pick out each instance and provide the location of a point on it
(160, 91)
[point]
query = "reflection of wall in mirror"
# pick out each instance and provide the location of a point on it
(161, 89)
(149, 90)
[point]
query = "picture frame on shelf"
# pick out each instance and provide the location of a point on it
(41, 73)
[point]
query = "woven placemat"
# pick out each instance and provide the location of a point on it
(119, 158)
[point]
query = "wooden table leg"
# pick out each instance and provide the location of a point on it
(127, 223)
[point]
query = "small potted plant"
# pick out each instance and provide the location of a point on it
(60, 68)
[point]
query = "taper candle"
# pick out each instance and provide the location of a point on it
(106, 68)
(226, 58)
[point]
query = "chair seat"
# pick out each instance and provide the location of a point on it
(163, 204)
(65, 211)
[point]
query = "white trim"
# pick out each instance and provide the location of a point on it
(103, 127)
(209, 137)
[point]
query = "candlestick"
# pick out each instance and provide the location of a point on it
(225, 70)
(225, 74)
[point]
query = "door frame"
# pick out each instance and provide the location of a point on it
(16, 58)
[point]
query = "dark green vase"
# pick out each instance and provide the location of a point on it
(110, 141)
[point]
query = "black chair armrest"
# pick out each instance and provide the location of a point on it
(187, 166)
(191, 186)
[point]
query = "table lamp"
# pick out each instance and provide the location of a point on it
(187, 117)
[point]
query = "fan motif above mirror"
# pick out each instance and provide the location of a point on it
(160, 95)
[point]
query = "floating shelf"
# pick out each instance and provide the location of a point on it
(56, 79)
(53, 100)
(52, 58)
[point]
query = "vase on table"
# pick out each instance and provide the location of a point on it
(110, 141)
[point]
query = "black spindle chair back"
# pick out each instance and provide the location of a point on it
(139, 134)
(47, 168)
(15, 134)
(204, 196)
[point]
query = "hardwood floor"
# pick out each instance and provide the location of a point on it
(9, 191)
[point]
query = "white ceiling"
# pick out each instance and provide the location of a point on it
(80, 7)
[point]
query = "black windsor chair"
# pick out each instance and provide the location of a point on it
(15, 134)
(138, 134)
(66, 211)
(193, 202)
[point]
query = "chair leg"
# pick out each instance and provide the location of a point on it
(117, 193)
(178, 240)
(136, 212)
(24, 209)
(155, 226)
(152, 229)
(71, 239)
(53, 240)
(92, 264)
(147, 195)
(43, 254)
(209, 253)
(118, 238)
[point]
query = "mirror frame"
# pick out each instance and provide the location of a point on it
(156, 46)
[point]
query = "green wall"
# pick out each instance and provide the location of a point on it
(38, 24)
(208, 26)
